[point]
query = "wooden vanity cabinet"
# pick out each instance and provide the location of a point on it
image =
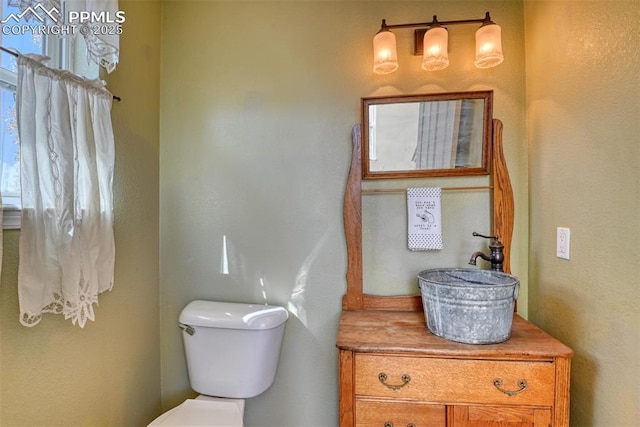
(393, 372)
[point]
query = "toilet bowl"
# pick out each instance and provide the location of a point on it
(204, 411)
(232, 352)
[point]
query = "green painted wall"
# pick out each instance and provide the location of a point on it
(583, 91)
(258, 101)
(108, 373)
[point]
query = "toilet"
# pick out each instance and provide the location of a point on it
(232, 353)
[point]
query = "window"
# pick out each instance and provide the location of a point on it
(66, 53)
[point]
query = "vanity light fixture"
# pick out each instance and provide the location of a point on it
(432, 41)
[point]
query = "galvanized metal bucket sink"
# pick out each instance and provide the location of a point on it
(470, 306)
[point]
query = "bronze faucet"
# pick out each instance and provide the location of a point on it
(497, 256)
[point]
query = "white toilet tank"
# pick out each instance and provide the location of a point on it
(232, 349)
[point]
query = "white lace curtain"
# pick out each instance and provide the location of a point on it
(67, 249)
(103, 47)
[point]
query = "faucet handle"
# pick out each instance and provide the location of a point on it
(486, 237)
(497, 252)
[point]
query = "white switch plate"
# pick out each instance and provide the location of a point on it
(563, 242)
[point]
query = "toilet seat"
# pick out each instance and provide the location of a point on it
(204, 411)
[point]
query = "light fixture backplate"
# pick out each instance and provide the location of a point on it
(418, 40)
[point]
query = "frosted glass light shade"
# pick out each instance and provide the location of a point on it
(435, 49)
(489, 46)
(385, 55)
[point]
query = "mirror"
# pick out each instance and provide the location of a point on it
(444, 134)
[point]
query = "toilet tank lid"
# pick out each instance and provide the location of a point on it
(228, 315)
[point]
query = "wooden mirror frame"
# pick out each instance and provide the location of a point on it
(502, 218)
(482, 169)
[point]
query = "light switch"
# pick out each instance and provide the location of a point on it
(563, 242)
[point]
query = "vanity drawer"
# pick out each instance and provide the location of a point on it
(372, 413)
(455, 380)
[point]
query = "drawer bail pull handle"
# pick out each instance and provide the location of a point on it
(383, 378)
(390, 424)
(522, 384)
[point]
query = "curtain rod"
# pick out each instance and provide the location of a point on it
(16, 54)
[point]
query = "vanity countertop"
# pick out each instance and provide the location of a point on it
(406, 332)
